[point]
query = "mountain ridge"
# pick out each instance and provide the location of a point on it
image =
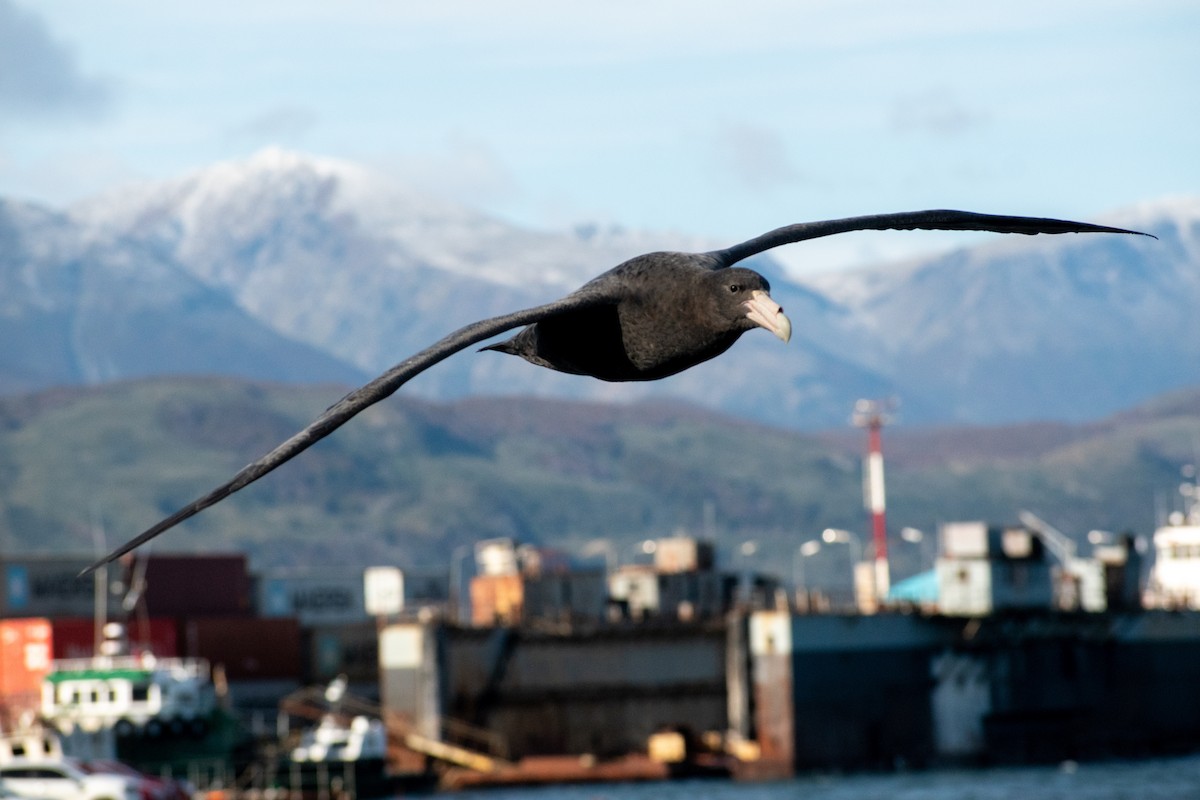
(410, 480)
(312, 269)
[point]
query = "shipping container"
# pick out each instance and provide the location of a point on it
(249, 648)
(975, 587)
(574, 596)
(25, 656)
(495, 557)
(426, 588)
(1021, 543)
(315, 597)
(636, 587)
(533, 560)
(696, 595)
(682, 554)
(967, 540)
(75, 637)
(496, 599)
(198, 586)
(51, 587)
(351, 649)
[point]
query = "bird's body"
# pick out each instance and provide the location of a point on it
(646, 327)
(645, 319)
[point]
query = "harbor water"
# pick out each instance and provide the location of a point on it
(1156, 779)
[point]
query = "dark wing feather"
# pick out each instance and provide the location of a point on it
(358, 400)
(942, 220)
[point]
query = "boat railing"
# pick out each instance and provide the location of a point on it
(191, 667)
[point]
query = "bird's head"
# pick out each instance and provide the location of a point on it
(744, 296)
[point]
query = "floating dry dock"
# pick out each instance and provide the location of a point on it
(812, 691)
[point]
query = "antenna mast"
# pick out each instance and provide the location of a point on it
(873, 415)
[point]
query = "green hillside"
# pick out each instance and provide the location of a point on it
(408, 481)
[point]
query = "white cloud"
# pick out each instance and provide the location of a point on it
(280, 125)
(936, 111)
(462, 169)
(39, 76)
(757, 158)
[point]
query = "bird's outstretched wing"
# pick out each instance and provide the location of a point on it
(358, 400)
(600, 291)
(939, 220)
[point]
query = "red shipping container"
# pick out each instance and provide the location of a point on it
(25, 646)
(198, 586)
(250, 648)
(75, 637)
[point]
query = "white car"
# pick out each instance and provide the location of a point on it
(8, 794)
(65, 780)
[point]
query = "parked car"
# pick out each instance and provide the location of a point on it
(152, 787)
(8, 794)
(66, 780)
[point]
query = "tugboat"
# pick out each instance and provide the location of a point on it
(132, 695)
(150, 712)
(352, 755)
(346, 751)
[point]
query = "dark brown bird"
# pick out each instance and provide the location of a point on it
(650, 317)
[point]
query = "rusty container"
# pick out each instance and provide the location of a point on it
(25, 654)
(248, 648)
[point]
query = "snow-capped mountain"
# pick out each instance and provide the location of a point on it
(80, 311)
(229, 267)
(332, 255)
(1062, 326)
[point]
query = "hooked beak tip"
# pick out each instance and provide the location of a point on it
(766, 313)
(783, 327)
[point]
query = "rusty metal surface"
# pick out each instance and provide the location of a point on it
(25, 655)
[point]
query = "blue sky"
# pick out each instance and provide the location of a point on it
(717, 121)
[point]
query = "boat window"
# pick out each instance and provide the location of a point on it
(141, 692)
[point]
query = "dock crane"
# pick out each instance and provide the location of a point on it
(1086, 575)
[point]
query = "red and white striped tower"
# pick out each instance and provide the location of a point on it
(872, 414)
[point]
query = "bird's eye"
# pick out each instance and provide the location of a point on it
(734, 288)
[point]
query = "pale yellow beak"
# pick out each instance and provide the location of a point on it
(766, 313)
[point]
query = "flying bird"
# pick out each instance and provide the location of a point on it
(647, 318)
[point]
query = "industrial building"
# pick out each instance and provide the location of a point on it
(1027, 651)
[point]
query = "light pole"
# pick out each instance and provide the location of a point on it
(916, 536)
(799, 581)
(841, 536)
(605, 547)
(648, 547)
(456, 558)
(747, 549)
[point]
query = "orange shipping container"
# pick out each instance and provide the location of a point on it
(496, 599)
(25, 646)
